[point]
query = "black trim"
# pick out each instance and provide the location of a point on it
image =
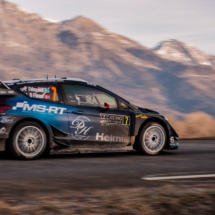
(131, 108)
(4, 86)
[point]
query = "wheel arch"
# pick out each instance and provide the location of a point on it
(44, 126)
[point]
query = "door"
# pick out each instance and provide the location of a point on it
(94, 117)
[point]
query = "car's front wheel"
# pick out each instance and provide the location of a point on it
(152, 139)
(28, 141)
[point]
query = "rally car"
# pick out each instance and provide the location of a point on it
(69, 115)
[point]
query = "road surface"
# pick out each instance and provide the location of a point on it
(104, 171)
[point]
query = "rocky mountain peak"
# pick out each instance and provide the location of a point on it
(12, 13)
(184, 53)
(83, 24)
(171, 43)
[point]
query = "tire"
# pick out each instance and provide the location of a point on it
(28, 141)
(152, 139)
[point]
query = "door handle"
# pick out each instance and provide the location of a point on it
(79, 112)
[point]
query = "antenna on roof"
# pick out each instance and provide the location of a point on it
(55, 76)
(47, 76)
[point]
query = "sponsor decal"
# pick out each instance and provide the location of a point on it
(172, 140)
(142, 116)
(81, 128)
(47, 96)
(111, 138)
(38, 108)
(37, 96)
(46, 91)
(37, 89)
(6, 119)
(3, 130)
(173, 144)
(111, 119)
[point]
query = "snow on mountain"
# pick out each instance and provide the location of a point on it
(184, 53)
(51, 20)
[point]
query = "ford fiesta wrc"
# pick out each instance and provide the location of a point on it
(69, 115)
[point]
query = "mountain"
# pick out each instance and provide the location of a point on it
(32, 47)
(184, 53)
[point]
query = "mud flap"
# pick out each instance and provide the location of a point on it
(2, 145)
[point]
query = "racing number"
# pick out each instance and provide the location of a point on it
(54, 93)
(126, 120)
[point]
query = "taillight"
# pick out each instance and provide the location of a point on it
(4, 107)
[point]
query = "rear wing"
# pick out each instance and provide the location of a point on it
(6, 91)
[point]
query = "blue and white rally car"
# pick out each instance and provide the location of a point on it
(69, 115)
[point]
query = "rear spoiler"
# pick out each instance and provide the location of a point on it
(6, 91)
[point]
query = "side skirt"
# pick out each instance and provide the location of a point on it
(92, 150)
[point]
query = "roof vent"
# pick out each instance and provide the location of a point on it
(64, 78)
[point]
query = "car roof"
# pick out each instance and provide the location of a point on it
(45, 79)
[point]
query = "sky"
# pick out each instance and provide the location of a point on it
(145, 21)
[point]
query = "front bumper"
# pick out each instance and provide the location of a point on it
(173, 143)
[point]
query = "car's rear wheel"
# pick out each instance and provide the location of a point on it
(28, 141)
(152, 139)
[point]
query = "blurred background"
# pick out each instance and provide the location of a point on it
(140, 50)
(158, 54)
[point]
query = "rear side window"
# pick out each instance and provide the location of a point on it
(42, 92)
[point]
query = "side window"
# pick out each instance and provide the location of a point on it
(106, 98)
(43, 92)
(88, 96)
(124, 106)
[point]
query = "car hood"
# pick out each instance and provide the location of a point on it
(146, 110)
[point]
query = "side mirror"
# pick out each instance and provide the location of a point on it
(107, 105)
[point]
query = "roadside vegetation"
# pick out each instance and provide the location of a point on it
(164, 200)
(196, 125)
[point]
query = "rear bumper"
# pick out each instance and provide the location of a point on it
(2, 145)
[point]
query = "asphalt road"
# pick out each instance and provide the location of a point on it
(104, 171)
